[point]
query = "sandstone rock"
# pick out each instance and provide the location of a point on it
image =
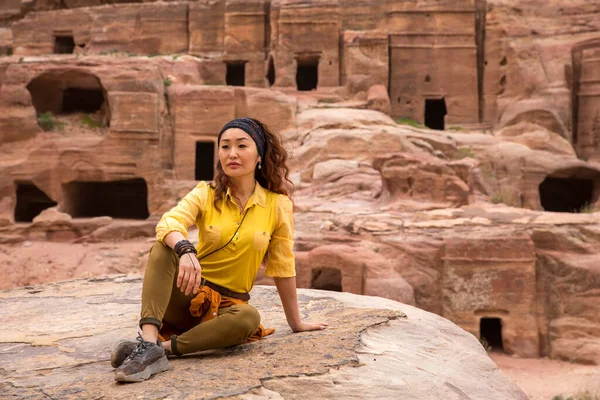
(72, 342)
(528, 68)
(366, 60)
(535, 112)
(536, 138)
(276, 109)
(378, 99)
(123, 230)
(419, 178)
(326, 169)
(51, 216)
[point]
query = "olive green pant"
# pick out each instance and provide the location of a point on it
(163, 302)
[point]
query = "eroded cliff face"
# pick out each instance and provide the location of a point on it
(373, 348)
(110, 114)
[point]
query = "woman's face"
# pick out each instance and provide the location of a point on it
(238, 154)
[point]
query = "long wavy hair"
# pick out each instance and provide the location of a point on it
(273, 175)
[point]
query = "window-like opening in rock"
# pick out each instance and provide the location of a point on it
(205, 161)
(307, 74)
(64, 44)
(82, 100)
(566, 194)
(236, 73)
(435, 113)
(326, 279)
(30, 202)
(490, 330)
(271, 72)
(117, 199)
(70, 91)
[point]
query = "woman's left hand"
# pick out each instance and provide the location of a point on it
(302, 327)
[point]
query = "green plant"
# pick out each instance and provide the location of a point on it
(409, 121)
(167, 82)
(585, 395)
(463, 152)
(90, 122)
(456, 128)
(376, 249)
(487, 171)
(505, 196)
(485, 344)
(21, 59)
(176, 56)
(46, 121)
(587, 208)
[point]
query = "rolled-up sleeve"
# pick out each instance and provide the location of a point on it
(280, 258)
(184, 214)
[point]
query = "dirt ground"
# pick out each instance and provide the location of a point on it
(30, 263)
(542, 379)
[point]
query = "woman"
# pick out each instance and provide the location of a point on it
(195, 299)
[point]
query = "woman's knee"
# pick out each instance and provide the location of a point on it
(161, 254)
(247, 318)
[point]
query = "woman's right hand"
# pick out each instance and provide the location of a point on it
(190, 274)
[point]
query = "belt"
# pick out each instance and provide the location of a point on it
(226, 292)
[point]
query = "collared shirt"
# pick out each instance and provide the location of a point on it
(268, 225)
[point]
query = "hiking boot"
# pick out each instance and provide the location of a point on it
(123, 348)
(145, 360)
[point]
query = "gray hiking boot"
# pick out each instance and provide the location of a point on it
(146, 359)
(122, 349)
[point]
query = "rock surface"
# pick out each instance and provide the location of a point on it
(451, 220)
(57, 338)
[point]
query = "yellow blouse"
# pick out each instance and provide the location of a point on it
(268, 225)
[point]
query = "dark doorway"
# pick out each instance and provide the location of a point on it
(30, 202)
(490, 329)
(566, 194)
(64, 44)
(326, 279)
(435, 111)
(271, 72)
(205, 161)
(307, 74)
(82, 100)
(236, 73)
(116, 199)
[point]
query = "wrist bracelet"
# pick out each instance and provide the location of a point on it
(183, 247)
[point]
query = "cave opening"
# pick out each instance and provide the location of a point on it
(81, 100)
(490, 330)
(63, 92)
(271, 72)
(30, 201)
(307, 73)
(64, 44)
(326, 279)
(127, 199)
(435, 113)
(236, 73)
(566, 194)
(205, 161)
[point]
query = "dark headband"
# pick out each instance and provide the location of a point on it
(251, 128)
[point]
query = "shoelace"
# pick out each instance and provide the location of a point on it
(141, 346)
